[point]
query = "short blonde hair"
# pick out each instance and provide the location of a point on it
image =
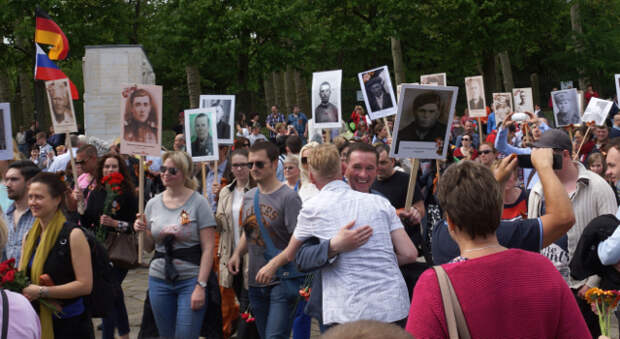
(325, 161)
(292, 159)
(184, 163)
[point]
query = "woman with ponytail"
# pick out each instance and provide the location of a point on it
(56, 258)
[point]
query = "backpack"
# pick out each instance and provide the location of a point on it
(106, 287)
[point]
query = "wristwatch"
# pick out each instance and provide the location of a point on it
(201, 284)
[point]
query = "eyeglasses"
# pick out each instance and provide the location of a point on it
(170, 170)
(486, 152)
(289, 168)
(241, 165)
(258, 164)
(304, 160)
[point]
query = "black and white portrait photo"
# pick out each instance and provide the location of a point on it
(565, 107)
(378, 93)
(225, 111)
(502, 105)
(326, 102)
(568, 84)
(436, 79)
(422, 122)
(597, 111)
(200, 133)
(523, 100)
(61, 105)
(474, 91)
(6, 139)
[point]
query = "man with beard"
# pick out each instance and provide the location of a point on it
(18, 216)
(61, 105)
(325, 111)
(203, 145)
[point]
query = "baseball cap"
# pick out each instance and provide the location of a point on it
(554, 138)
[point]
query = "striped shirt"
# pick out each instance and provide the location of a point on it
(593, 197)
(16, 232)
(364, 283)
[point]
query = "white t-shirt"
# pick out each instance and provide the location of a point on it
(237, 202)
(365, 283)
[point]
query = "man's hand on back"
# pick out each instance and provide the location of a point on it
(347, 239)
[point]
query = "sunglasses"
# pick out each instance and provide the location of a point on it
(80, 162)
(486, 152)
(246, 145)
(258, 164)
(466, 139)
(170, 170)
(304, 160)
(241, 165)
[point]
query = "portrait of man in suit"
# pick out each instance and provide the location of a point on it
(325, 111)
(378, 97)
(203, 145)
(475, 96)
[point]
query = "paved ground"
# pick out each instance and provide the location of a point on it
(135, 286)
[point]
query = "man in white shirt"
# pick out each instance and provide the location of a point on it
(364, 283)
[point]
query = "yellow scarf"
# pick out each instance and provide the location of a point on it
(48, 239)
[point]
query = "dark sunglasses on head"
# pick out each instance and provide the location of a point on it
(304, 160)
(171, 170)
(486, 152)
(241, 165)
(258, 164)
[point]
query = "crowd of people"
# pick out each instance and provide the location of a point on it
(301, 223)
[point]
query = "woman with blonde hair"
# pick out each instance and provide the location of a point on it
(307, 189)
(180, 226)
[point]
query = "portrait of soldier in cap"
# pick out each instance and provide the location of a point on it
(565, 107)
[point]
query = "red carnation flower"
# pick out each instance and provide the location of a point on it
(9, 276)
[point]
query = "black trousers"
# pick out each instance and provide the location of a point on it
(589, 316)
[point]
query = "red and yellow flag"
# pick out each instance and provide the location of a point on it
(47, 32)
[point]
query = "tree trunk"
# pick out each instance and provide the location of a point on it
(301, 92)
(193, 85)
(5, 86)
(42, 107)
(269, 95)
(397, 59)
(136, 23)
(535, 88)
(244, 98)
(26, 96)
(278, 89)
(488, 72)
(575, 22)
(506, 71)
(497, 65)
(289, 89)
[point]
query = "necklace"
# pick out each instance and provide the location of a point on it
(481, 248)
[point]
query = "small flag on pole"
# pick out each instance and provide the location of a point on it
(46, 69)
(48, 33)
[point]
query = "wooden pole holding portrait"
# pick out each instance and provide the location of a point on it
(413, 176)
(81, 205)
(203, 172)
(585, 137)
(387, 127)
(480, 130)
(140, 205)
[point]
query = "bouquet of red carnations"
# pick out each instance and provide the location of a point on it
(14, 280)
(113, 189)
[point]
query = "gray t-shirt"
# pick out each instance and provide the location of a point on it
(186, 230)
(279, 212)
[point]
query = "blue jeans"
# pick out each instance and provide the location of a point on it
(273, 307)
(119, 318)
(172, 310)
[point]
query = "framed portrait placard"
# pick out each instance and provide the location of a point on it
(326, 102)
(436, 79)
(523, 100)
(566, 107)
(617, 85)
(502, 105)
(61, 105)
(423, 120)
(225, 115)
(476, 102)
(141, 115)
(6, 134)
(378, 92)
(597, 111)
(201, 134)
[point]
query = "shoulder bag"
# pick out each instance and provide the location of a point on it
(455, 319)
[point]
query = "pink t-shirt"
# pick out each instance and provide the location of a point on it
(510, 294)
